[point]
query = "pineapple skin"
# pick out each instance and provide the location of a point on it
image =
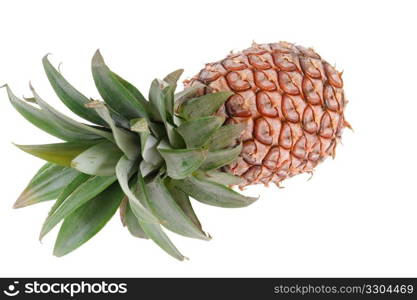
(292, 102)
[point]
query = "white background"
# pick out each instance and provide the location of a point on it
(356, 217)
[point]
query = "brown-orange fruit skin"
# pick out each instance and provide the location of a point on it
(292, 102)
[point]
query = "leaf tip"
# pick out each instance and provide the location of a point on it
(97, 59)
(251, 200)
(58, 253)
(32, 89)
(22, 200)
(45, 57)
(208, 237)
(18, 204)
(21, 147)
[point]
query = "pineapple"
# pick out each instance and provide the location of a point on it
(291, 102)
(265, 114)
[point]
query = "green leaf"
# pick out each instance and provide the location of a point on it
(226, 136)
(219, 177)
(169, 213)
(183, 202)
(45, 185)
(59, 153)
(177, 120)
(173, 77)
(87, 220)
(181, 163)
(139, 125)
(147, 168)
(71, 97)
(169, 102)
(114, 92)
(127, 141)
(124, 168)
(186, 94)
(203, 106)
(158, 129)
(44, 167)
(135, 92)
(68, 189)
(175, 139)
(30, 99)
(197, 132)
(155, 233)
(82, 194)
(80, 131)
(161, 99)
(38, 118)
(100, 159)
(212, 193)
(129, 219)
(152, 230)
(148, 149)
(157, 101)
(220, 158)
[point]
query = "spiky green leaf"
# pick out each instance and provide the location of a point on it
(135, 92)
(203, 106)
(183, 202)
(173, 77)
(130, 221)
(175, 139)
(114, 92)
(100, 159)
(219, 177)
(71, 97)
(38, 118)
(58, 153)
(44, 167)
(124, 169)
(197, 132)
(139, 125)
(212, 193)
(46, 184)
(127, 141)
(154, 231)
(147, 168)
(181, 163)
(169, 102)
(226, 136)
(148, 149)
(157, 100)
(67, 191)
(87, 220)
(82, 194)
(187, 93)
(81, 131)
(169, 213)
(220, 158)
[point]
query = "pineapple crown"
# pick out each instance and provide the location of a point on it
(146, 157)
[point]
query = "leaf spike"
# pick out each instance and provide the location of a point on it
(98, 58)
(59, 67)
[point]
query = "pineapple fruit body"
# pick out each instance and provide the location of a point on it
(292, 102)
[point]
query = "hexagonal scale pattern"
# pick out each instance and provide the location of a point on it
(292, 102)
